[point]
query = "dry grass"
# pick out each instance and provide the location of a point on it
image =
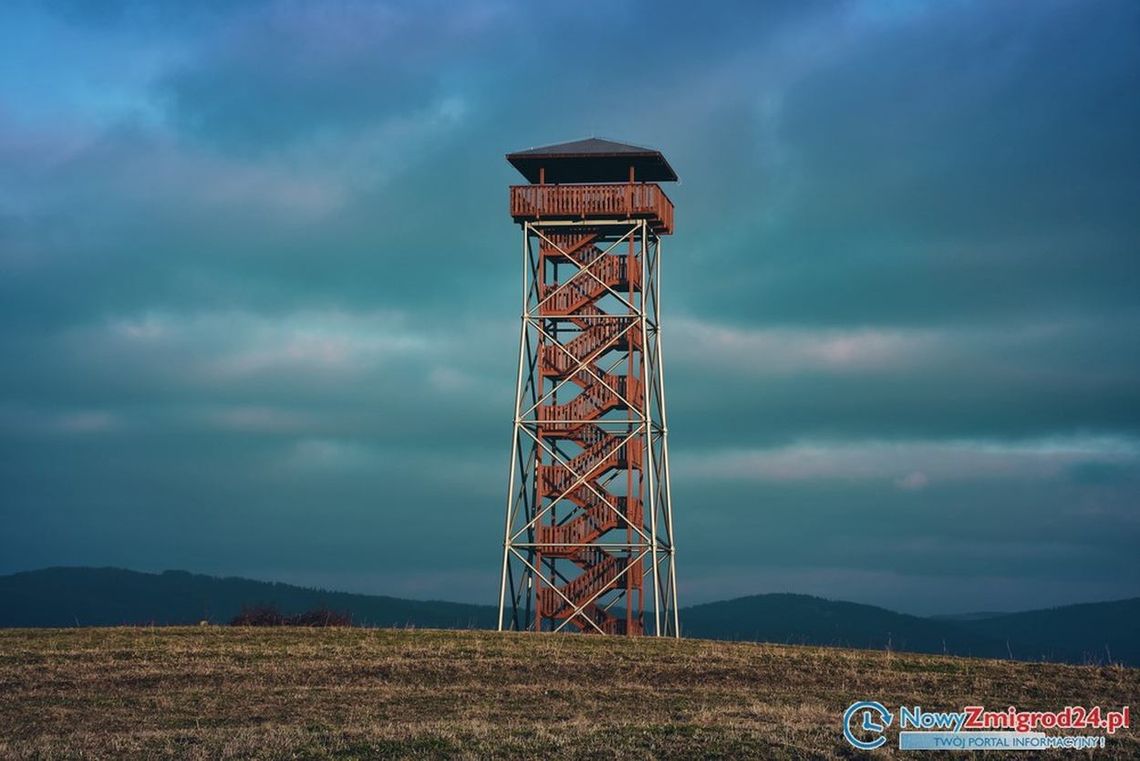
(353, 693)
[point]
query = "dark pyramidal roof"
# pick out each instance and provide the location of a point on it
(592, 160)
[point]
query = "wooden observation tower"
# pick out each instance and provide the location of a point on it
(588, 541)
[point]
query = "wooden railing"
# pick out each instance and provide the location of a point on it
(635, 200)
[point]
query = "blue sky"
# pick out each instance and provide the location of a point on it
(258, 303)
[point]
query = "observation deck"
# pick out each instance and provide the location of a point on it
(593, 179)
(639, 200)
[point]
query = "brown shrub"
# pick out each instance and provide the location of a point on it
(258, 615)
(319, 617)
(268, 615)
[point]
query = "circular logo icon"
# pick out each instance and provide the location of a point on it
(864, 723)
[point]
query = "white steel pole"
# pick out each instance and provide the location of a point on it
(517, 422)
(665, 440)
(650, 481)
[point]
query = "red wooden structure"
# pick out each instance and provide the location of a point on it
(589, 522)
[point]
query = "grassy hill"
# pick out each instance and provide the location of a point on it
(69, 597)
(222, 692)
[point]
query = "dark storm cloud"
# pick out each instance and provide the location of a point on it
(1004, 380)
(299, 71)
(957, 166)
(237, 239)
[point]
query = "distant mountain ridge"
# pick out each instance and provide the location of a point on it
(62, 597)
(66, 597)
(1107, 632)
(802, 619)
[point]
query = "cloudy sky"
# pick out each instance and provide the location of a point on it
(258, 287)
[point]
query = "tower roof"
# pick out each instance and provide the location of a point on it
(592, 160)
